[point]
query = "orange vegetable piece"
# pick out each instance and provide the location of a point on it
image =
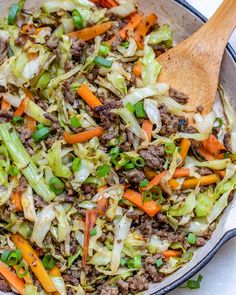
(16, 201)
(137, 69)
(135, 19)
(30, 123)
(213, 145)
(106, 3)
(20, 110)
(5, 106)
(83, 136)
(184, 148)
(147, 127)
(12, 279)
(88, 96)
(171, 253)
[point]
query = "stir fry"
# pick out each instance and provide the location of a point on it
(105, 186)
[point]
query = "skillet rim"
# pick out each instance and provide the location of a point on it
(228, 234)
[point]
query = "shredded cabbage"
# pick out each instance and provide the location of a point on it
(185, 207)
(163, 34)
(153, 113)
(156, 245)
(27, 201)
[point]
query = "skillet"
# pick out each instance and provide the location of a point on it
(184, 20)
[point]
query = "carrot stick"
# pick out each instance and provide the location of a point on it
(26, 29)
(106, 3)
(132, 24)
(173, 184)
(150, 207)
(55, 271)
(146, 23)
(5, 106)
(20, 110)
(28, 94)
(137, 69)
(182, 172)
(184, 148)
(213, 145)
(204, 180)
(90, 221)
(171, 253)
(34, 262)
(30, 123)
(88, 96)
(32, 55)
(147, 127)
(102, 206)
(12, 279)
(91, 32)
(149, 173)
(83, 136)
(210, 157)
(16, 201)
(26, 278)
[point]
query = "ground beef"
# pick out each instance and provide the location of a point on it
(78, 48)
(50, 117)
(204, 171)
(3, 51)
(161, 218)
(41, 103)
(69, 95)
(72, 277)
(150, 270)
(111, 133)
(21, 40)
(24, 133)
(191, 130)
(89, 189)
(4, 287)
(170, 123)
(153, 156)
(186, 244)
(180, 97)
(137, 284)
(108, 290)
(38, 202)
(133, 215)
(146, 226)
(135, 176)
(117, 42)
(5, 116)
(68, 65)
(174, 237)
(104, 114)
(52, 43)
(200, 242)
(123, 286)
(23, 184)
(227, 141)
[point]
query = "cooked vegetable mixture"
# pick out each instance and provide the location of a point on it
(105, 187)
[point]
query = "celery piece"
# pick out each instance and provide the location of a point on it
(23, 161)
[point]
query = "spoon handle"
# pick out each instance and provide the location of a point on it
(214, 35)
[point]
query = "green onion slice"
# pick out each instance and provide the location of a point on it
(129, 166)
(120, 160)
(103, 170)
(104, 49)
(147, 196)
(14, 257)
(48, 262)
(123, 261)
(137, 261)
(192, 284)
(130, 263)
(138, 161)
(5, 255)
(41, 134)
(159, 262)
(22, 270)
(114, 151)
(139, 110)
(14, 10)
(18, 121)
(13, 170)
(218, 122)
(130, 107)
(77, 19)
(93, 232)
(100, 61)
(74, 122)
(56, 185)
(76, 164)
(144, 183)
(169, 148)
(191, 238)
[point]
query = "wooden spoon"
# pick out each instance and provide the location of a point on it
(193, 66)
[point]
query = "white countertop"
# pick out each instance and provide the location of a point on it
(219, 276)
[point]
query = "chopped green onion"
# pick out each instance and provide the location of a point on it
(191, 238)
(120, 160)
(22, 270)
(138, 161)
(129, 166)
(144, 183)
(169, 148)
(18, 121)
(159, 262)
(56, 185)
(226, 155)
(218, 122)
(123, 261)
(192, 284)
(76, 164)
(104, 49)
(125, 44)
(14, 257)
(114, 151)
(147, 196)
(159, 195)
(130, 263)
(43, 81)
(48, 262)
(130, 107)
(139, 110)
(5, 255)
(77, 19)
(14, 10)
(41, 134)
(93, 232)
(100, 61)
(39, 126)
(74, 122)
(103, 170)
(137, 261)
(13, 170)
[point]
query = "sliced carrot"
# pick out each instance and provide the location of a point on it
(28, 28)
(26, 278)
(173, 184)
(16, 201)
(28, 94)
(171, 253)
(83, 136)
(90, 221)
(55, 271)
(91, 32)
(106, 3)
(135, 20)
(32, 55)
(150, 207)
(88, 96)
(5, 106)
(137, 69)
(149, 173)
(204, 180)
(12, 279)
(147, 127)
(184, 148)
(213, 145)
(20, 110)
(30, 123)
(181, 172)
(142, 29)
(34, 262)
(102, 203)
